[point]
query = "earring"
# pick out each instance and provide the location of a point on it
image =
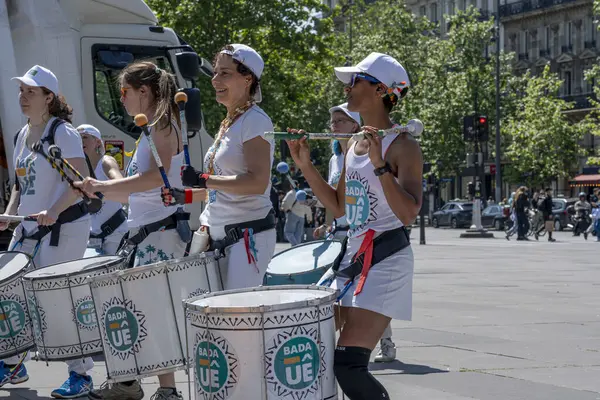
(98, 150)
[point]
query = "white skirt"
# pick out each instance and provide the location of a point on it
(388, 287)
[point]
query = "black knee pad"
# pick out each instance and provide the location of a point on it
(351, 367)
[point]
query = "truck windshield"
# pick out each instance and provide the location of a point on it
(108, 61)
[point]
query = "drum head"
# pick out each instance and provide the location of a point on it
(11, 263)
(271, 298)
(73, 267)
(90, 252)
(305, 257)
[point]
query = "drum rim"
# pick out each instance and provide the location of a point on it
(117, 261)
(331, 298)
(149, 267)
(12, 277)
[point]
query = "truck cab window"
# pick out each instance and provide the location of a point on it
(108, 62)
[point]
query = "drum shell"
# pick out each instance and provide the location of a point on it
(152, 340)
(61, 306)
(252, 343)
(13, 299)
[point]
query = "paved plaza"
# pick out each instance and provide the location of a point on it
(492, 320)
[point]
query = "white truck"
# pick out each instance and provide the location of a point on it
(86, 43)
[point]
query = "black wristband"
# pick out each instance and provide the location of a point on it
(383, 170)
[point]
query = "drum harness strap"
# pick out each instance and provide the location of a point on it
(130, 244)
(244, 230)
(110, 225)
(372, 251)
(71, 214)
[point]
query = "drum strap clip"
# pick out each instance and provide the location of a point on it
(235, 232)
(384, 246)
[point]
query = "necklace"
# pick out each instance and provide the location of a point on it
(225, 125)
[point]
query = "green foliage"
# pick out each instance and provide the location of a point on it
(544, 143)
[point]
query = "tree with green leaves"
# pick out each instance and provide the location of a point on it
(543, 143)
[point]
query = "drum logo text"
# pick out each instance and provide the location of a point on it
(85, 314)
(38, 318)
(217, 367)
(297, 363)
(12, 318)
(124, 327)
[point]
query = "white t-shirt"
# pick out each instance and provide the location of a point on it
(40, 185)
(226, 208)
(109, 207)
(147, 207)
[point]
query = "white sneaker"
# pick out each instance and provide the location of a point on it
(387, 352)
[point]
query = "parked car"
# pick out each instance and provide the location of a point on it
(454, 214)
(493, 216)
(560, 210)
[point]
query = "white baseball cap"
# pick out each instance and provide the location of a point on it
(380, 66)
(344, 108)
(39, 76)
(89, 130)
(251, 59)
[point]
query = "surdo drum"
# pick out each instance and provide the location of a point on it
(263, 343)
(140, 314)
(61, 308)
(304, 264)
(16, 335)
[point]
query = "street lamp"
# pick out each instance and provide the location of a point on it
(498, 144)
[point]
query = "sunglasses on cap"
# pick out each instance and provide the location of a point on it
(358, 76)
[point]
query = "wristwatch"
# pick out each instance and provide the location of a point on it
(380, 171)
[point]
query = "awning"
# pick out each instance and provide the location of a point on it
(585, 180)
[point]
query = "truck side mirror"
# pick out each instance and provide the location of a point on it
(206, 67)
(188, 64)
(193, 109)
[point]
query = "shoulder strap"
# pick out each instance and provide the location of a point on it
(16, 138)
(50, 138)
(92, 169)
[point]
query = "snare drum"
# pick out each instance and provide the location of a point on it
(16, 335)
(141, 318)
(304, 264)
(263, 343)
(62, 310)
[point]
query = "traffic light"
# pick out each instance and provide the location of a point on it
(468, 128)
(482, 128)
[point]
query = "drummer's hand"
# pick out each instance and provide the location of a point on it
(375, 152)
(320, 231)
(89, 186)
(190, 177)
(4, 224)
(46, 217)
(175, 196)
(299, 149)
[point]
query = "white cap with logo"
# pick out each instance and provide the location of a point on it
(344, 108)
(39, 76)
(380, 66)
(89, 130)
(247, 56)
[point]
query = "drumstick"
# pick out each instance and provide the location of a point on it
(39, 148)
(142, 121)
(181, 100)
(414, 127)
(16, 218)
(56, 153)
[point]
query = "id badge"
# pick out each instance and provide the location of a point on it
(95, 243)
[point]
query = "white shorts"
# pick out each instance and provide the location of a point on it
(388, 287)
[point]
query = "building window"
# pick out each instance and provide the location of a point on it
(461, 5)
(484, 5)
(433, 12)
(567, 82)
(422, 11)
(451, 7)
(569, 34)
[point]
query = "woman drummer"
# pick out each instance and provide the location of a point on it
(148, 89)
(380, 192)
(63, 223)
(239, 214)
(109, 225)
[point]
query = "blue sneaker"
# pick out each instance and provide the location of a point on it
(75, 386)
(14, 377)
